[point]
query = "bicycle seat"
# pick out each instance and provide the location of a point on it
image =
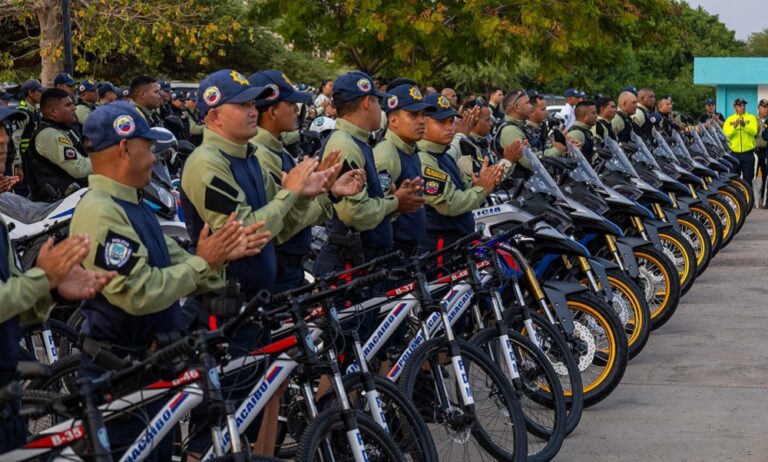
(33, 370)
(24, 210)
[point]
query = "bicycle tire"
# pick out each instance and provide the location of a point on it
(64, 337)
(63, 378)
(539, 392)
(329, 425)
(500, 398)
(44, 398)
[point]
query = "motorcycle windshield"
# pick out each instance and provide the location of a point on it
(679, 147)
(643, 154)
(698, 146)
(662, 148)
(583, 173)
(619, 161)
(540, 180)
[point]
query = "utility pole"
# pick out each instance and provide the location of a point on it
(67, 23)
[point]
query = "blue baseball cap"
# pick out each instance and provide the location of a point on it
(227, 86)
(179, 95)
(353, 85)
(442, 105)
(106, 87)
(109, 124)
(709, 101)
(581, 94)
(32, 85)
(164, 85)
(406, 97)
(571, 92)
(7, 113)
(64, 78)
(630, 89)
(282, 89)
(88, 85)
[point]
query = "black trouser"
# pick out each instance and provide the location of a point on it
(13, 432)
(762, 164)
(290, 272)
(746, 165)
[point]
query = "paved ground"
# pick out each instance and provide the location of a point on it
(699, 390)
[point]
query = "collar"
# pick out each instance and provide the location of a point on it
(55, 124)
(476, 137)
(222, 144)
(603, 119)
(114, 188)
(533, 124)
(518, 122)
(582, 125)
(399, 143)
(640, 106)
(273, 144)
(352, 129)
(86, 103)
(432, 148)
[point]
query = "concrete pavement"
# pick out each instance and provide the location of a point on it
(699, 390)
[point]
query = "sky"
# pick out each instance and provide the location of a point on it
(742, 16)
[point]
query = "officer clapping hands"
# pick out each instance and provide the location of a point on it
(514, 151)
(409, 198)
(468, 119)
(231, 242)
(489, 177)
(61, 264)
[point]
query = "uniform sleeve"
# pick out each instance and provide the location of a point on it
(25, 294)
(509, 135)
(387, 163)
(82, 113)
(638, 118)
(18, 130)
(138, 288)
(441, 193)
(728, 129)
(751, 127)
(577, 135)
(360, 212)
(617, 125)
(218, 195)
(195, 128)
(57, 148)
(212, 280)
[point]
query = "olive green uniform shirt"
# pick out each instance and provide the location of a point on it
(83, 110)
(447, 199)
(316, 211)
(513, 132)
(144, 289)
(578, 135)
(26, 295)
(55, 145)
(359, 212)
(208, 170)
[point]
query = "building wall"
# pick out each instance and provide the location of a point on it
(727, 94)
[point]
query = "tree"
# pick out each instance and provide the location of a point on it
(138, 33)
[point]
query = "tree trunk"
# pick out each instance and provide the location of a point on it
(51, 39)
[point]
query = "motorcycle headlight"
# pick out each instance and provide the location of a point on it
(166, 198)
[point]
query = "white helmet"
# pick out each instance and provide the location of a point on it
(321, 124)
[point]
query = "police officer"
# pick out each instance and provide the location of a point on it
(165, 95)
(196, 124)
(28, 297)
(64, 81)
(87, 97)
(761, 148)
(537, 121)
(107, 93)
(141, 304)
(361, 226)
(476, 147)
(30, 107)
(644, 119)
(622, 122)
(278, 114)
(740, 129)
(397, 159)
(56, 164)
(581, 130)
(606, 111)
(178, 108)
(145, 94)
(518, 107)
(451, 194)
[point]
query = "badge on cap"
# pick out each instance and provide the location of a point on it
(364, 85)
(392, 102)
(415, 93)
(443, 102)
(82, 88)
(238, 77)
(124, 125)
(275, 92)
(212, 95)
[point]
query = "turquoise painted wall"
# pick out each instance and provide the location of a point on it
(730, 71)
(727, 94)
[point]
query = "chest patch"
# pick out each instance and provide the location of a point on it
(70, 154)
(436, 174)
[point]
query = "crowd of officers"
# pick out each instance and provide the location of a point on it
(249, 203)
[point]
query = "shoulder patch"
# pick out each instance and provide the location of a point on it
(218, 202)
(70, 153)
(434, 187)
(218, 183)
(64, 140)
(117, 254)
(385, 180)
(436, 174)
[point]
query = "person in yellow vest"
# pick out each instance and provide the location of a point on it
(741, 129)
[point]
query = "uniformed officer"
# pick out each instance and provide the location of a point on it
(28, 297)
(644, 119)
(278, 114)
(606, 111)
(196, 124)
(667, 123)
(145, 94)
(56, 164)
(741, 128)
(761, 149)
(107, 93)
(622, 122)
(64, 81)
(165, 95)
(30, 107)
(87, 96)
(476, 147)
(361, 227)
(397, 159)
(141, 303)
(450, 193)
(178, 108)
(581, 130)
(518, 107)
(537, 122)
